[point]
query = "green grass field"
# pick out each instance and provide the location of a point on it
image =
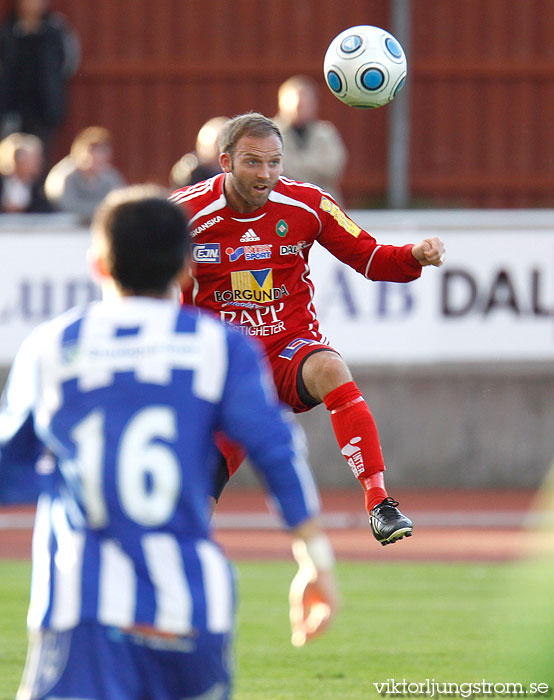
(456, 623)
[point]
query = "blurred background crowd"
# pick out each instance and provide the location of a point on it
(40, 54)
(94, 95)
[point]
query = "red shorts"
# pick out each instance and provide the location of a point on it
(286, 364)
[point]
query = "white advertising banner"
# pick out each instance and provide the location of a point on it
(42, 274)
(492, 300)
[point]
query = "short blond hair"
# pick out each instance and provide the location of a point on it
(296, 83)
(14, 144)
(249, 124)
(86, 138)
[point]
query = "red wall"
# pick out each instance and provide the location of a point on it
(481, 72)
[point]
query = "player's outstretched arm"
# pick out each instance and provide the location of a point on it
(430, 251)
(313, 597)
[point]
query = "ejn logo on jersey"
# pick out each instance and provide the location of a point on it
(206, 252)
(251, 285)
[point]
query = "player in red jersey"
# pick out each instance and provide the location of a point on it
(252, 233)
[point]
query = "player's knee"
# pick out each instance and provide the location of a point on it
(324, 372)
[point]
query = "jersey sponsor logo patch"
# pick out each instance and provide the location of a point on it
(292, 348)
(252, 285)
(262, 321)
(250, 252)
(206, 252)
(249, 236)
(293, 249)
(340, 217)
(206, 225)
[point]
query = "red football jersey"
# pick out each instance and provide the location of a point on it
(252, 269)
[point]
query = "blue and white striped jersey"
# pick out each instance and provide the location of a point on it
(127, 395)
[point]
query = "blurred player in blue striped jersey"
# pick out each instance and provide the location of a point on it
(130, 597)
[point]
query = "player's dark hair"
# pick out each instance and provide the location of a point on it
(146, 238)
(249, 124)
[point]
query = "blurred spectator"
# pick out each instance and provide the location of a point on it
(81, 180)
(204, 161)
(313, 150)
(39, 52)
(21, 182)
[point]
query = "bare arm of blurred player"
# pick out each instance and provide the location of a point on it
(313, 596)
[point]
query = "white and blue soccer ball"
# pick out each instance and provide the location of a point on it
(365, 67)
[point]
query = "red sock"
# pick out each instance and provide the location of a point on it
(358, 440)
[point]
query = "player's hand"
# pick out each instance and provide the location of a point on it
(313, 601)
(430, 251)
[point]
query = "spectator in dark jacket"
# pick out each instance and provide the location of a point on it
(39, 52)
(313, 149)
(21, 182)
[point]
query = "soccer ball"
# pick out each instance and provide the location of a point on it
(365, 67)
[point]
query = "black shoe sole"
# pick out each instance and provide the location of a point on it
(398, 535)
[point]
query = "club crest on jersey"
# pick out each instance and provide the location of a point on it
(340, 217)
(70, 352)
(206, 252)
(250, 252)
(251, 285)
(282, 228)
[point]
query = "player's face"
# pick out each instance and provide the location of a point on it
(252, 171)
